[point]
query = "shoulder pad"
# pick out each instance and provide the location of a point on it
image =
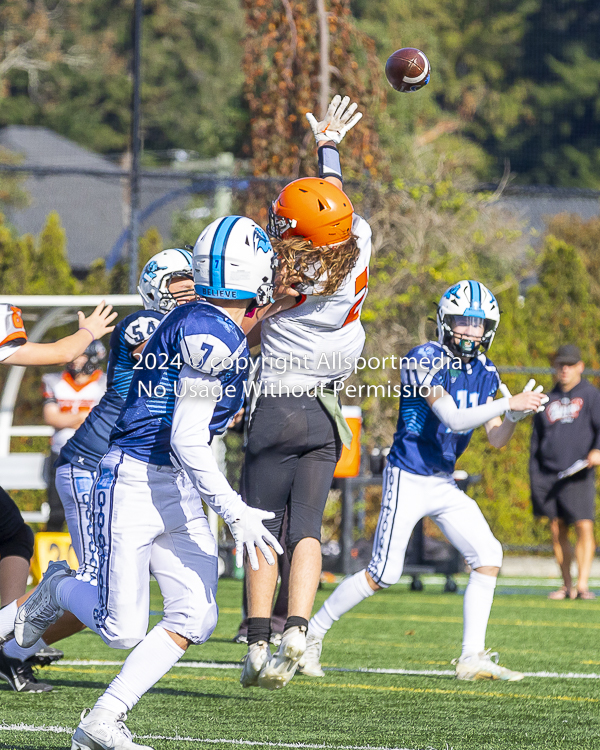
(211, 342)
(139, 326)
(361, 227)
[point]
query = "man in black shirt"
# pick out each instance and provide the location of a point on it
(568, 431)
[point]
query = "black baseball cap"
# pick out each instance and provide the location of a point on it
(568, 354)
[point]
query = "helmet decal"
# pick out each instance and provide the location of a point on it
(261, 241)
(150, 270)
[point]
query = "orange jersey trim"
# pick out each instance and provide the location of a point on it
(79, 386)
(14, 337)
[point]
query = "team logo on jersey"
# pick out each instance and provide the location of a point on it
(151, 269)
(261, 241)
(564, 410)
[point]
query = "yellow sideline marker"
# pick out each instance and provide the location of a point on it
(48, 547)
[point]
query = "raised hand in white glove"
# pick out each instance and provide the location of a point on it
(529, 401)
(248, 531)
(338, 121)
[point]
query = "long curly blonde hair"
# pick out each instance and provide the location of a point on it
(324, 268)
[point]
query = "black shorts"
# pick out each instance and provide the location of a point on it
(292, 450)
(16, 538)
(11, 520)
(572, 499)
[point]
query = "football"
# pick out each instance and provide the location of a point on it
(408, 69)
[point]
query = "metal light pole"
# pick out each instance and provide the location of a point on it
(134, 176)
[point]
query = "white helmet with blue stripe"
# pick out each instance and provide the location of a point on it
(158, 273)
(463, 304)
(233, 259)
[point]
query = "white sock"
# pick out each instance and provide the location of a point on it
(477, 606)
(349, 593)
(143, 668)
(14, 651)
(80, 598)
(7, 619)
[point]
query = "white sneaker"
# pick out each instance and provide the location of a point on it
(41, 610)
(310, 663)
(256, 658)
(484, 666)
(283, 664)
(103, 730)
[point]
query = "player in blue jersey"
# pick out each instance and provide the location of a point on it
(150, 485)
(166, 280)
(448, 389)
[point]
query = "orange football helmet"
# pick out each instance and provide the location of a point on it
(314, 209)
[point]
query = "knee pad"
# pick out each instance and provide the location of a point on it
(197, 626)
(122, 643)
(19, 544)
(494, 555)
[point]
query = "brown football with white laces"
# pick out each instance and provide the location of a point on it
(408, 69)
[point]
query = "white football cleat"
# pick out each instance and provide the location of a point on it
(283, 664)
(258, 655)
(484, 666)
(41, 610)
(103, 730)
(310, 663)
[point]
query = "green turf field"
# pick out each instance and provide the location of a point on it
(419, 632)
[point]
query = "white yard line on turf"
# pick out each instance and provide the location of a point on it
(177, 738)
(365, 670)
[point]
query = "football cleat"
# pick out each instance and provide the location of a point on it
(310, 663)
(484, 666)
(46, 656)
(103, 730)
(19, 675)
(40, 611)
(283, 664)
(258, 655)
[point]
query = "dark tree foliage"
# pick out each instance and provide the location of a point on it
(68, 66)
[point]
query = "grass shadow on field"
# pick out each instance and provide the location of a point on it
(79, 684)
(193, 694)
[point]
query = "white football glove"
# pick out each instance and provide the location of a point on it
(248, 531)
(517, 416)
(338, 120)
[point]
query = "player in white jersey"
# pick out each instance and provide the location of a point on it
(448, 389)
(147, 496)
(16, 538)
(297, 429)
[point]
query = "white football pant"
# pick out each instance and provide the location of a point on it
(74, 486)
(149, 519)
(406, 498)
